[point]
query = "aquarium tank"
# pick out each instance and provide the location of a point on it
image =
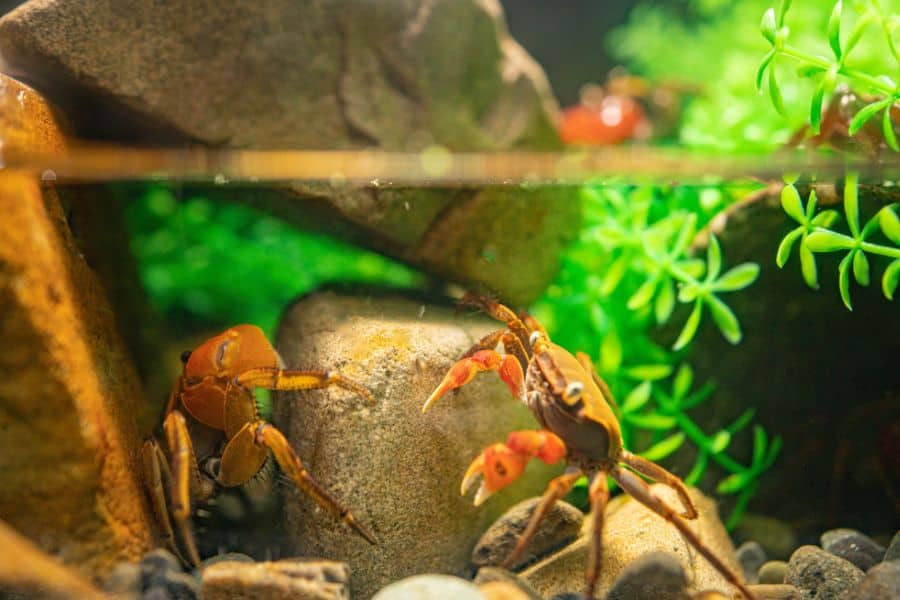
(470, 299)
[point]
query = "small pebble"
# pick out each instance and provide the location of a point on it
(430, 587)
(502, 590)
(776, 592)
(821, 574)
(497, 574)
(655, 575)
(893, 551)
(882, 582)
(568, 596)
(751, 556)
(773, 572)
(854, 546)
(159, 560)
(125, 580)
(710, 595)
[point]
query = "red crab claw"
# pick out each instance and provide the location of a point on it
(465, 370)
(501, 464)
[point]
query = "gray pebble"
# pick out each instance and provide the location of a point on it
(655, 575)
(821, 574)
(568, 596)
(854, 546)
(773, 572)
(751, 556)
(430, 587)
(893, 551)
(882, 582)
(124, 580)
(159, 560)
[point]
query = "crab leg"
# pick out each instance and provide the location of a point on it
(158, 478)
(184, 470)
(465, 370)
(657, 473)
(276, 379)
(501, 464)
(635, 487)
(599, 496)
(500, 312)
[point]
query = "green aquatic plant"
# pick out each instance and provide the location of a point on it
(816, 236)
(827, 71)
(623, 278)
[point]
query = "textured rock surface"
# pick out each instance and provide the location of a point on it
(488, 576)
(882, 582)
(430, 587)
(854, 546)
(656, 575)
(26, 572)
(631, 531)
(29, 124)
(751, 556)
(560, 526)
(773, 572)
(776, 592)
(397, 469)
(278, 74)
(294, 579)
(821, 574)
(68, 399)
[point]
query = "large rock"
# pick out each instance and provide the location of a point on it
(321, 74)
(397, 469)
(68, 398)
(30, 125)
(632, 531)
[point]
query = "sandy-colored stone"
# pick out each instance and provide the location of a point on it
(491, 575)
(399, 470)
(28, 124)
(631, 531)
(68, 397)
(288, 579)
(26, 572)
(503, 590)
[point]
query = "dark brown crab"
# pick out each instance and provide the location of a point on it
(572, 404)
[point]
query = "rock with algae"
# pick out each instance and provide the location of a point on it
(397, 469)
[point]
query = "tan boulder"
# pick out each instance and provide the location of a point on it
(28, 122)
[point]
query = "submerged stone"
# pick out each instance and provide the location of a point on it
(822, 574)
(854, 546)
(656, 575)
(287, 579)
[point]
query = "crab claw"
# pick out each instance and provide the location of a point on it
(498, 466)
(463, 372)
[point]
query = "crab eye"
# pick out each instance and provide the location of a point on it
(535, 335)
(185, 356)
(573, 391)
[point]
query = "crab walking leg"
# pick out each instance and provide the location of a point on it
(289, 462)
(635, 487)
(272, 378)
(657, 473)
(494, 309)
(556, 489)
(157, 478)
(466, 369)
(501, 464)
(184, 469)
(599, 496)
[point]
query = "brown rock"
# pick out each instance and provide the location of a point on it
(560, 526)
(776, 592)
(68, 399)
(397, 469)
(490, 575)
(336, 74)
(28, 123)
(288, 579)
(632, 531)
(503, 590)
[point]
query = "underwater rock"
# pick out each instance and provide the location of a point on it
(656, 575)
(287, 579)
(882, 582)
(776, 537)
(488, 575)
(560, 526)
(163, 577)
(854, 546)
(751, 556)
(26, 572)
(631, 531)
(893, 551)
(821, 574)
(69, 399)
(398, 470)
(503, 590)
(773, 572)
(124, 581)
(430, 587)
(28, 123)
(776, 592)
(318, 75)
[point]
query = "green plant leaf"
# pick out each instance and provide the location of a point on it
(644, 294)
(851, 202)
(844, 279)
(834, 29)
(652, 421)
(864, 114)
(736, 482)
(694, 267)
(790, 202)
(887, 128)
(690, 327)
(742, 421)
(856, 33)
(684, 377)
(685, 235)
(610, 353)
(759, 445)
(649, 372)
(815, 107)
(772, 454)
(665, 301)
(767, 27)
(782, 11)
(784, 248)
(764, 64)
(698, 469)
(890, 279)
(825, 219)
(861, 268)
(614, 275)
(713, 258)
(890, 224)
(737, 278)
(664, 448)
(688, 292)
(823, 240)
(636, 398)
(724, 318)
(775, 92)
(720, 442)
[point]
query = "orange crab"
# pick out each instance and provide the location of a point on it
(572, 404)
(216, 438)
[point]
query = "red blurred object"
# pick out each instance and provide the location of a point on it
(611, 120)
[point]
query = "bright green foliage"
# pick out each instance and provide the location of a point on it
(870, 39)
(816, 236)
(626, 273)
(212, 264)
